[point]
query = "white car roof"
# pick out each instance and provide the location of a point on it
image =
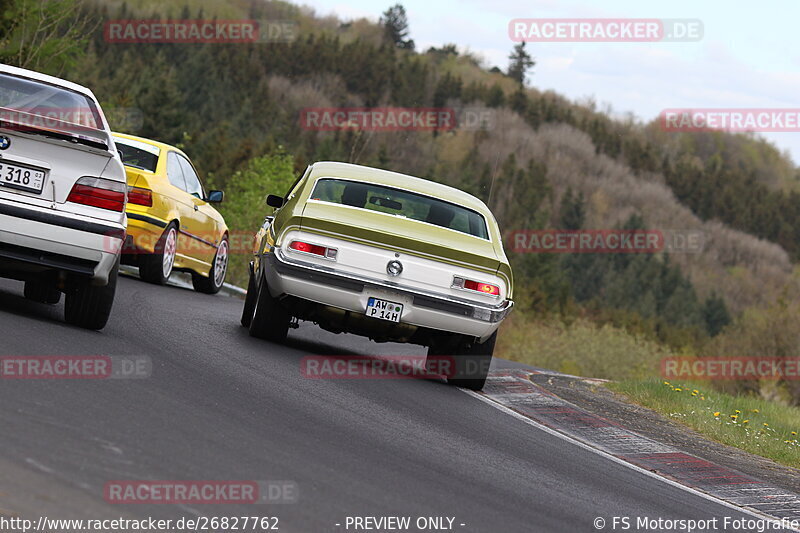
(52, 80)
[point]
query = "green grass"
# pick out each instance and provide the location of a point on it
(580, 348)
(753, 424)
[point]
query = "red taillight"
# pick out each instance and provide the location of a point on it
(485, 288)
(140, 196)
(308, 248)
(477, 286)
(98, 192)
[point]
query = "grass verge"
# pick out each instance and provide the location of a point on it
(752, 424)
(581, 348)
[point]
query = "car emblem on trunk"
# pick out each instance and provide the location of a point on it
(5, 142)
(394, 268)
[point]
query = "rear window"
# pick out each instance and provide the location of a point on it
(402, 203)
(50, 102)
(137, 154)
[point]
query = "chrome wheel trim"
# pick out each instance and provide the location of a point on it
(170, 249)
(221, 264)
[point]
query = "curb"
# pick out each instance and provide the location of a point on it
(183, 280)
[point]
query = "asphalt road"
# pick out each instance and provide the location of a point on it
(223, 406)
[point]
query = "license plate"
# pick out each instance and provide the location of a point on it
(23, 178)
(384, 310)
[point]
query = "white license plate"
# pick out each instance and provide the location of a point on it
(384, 310)
(23, 178)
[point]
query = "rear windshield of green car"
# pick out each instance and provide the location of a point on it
(402, 203)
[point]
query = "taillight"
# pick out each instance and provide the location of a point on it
(140, 196)
(485, 288)
(314, 249)
(477, 286)
(99, 192)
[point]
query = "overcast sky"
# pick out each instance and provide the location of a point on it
(749, 56)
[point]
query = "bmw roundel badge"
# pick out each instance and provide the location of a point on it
(5, 142)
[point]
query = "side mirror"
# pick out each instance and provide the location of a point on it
(215, 197)
(273, 200)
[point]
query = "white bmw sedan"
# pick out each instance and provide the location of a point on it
(62, 195)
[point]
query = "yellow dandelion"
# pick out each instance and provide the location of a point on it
(794, 433)
(696, 391)
(716, 414)
(666, 383)
(766, 425)
(734, 417)
(738, 412)
(677, 389)
(756, 411)
(745, 421)
(702, 397)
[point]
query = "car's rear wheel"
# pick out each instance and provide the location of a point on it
(216, 276)
(42, 292)
(88, 306)
(157, 267)
(471, 361)
(270, 319)
(250, 299)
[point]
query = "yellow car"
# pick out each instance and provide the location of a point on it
(172, 225)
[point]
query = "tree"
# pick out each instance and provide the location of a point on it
(572, 211)
(395, 23)
(716, 314)
(520, 62)
(45, 36)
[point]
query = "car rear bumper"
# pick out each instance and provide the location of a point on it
(144, 232)
(38, 239)
(325, 285)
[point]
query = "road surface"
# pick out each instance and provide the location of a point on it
(223, 406)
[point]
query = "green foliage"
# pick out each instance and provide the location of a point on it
(752, 424)
(44, 35)
(773, 332)
(716, 314)
(582, 348)
(244, 208)
(227, 106)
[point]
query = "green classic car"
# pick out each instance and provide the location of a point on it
(383, 255)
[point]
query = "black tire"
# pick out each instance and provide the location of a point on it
(270, 319)
(42, 292)
(250, 299)
(472, 362)
(151, 266)
(216, 276)
(88, 306)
